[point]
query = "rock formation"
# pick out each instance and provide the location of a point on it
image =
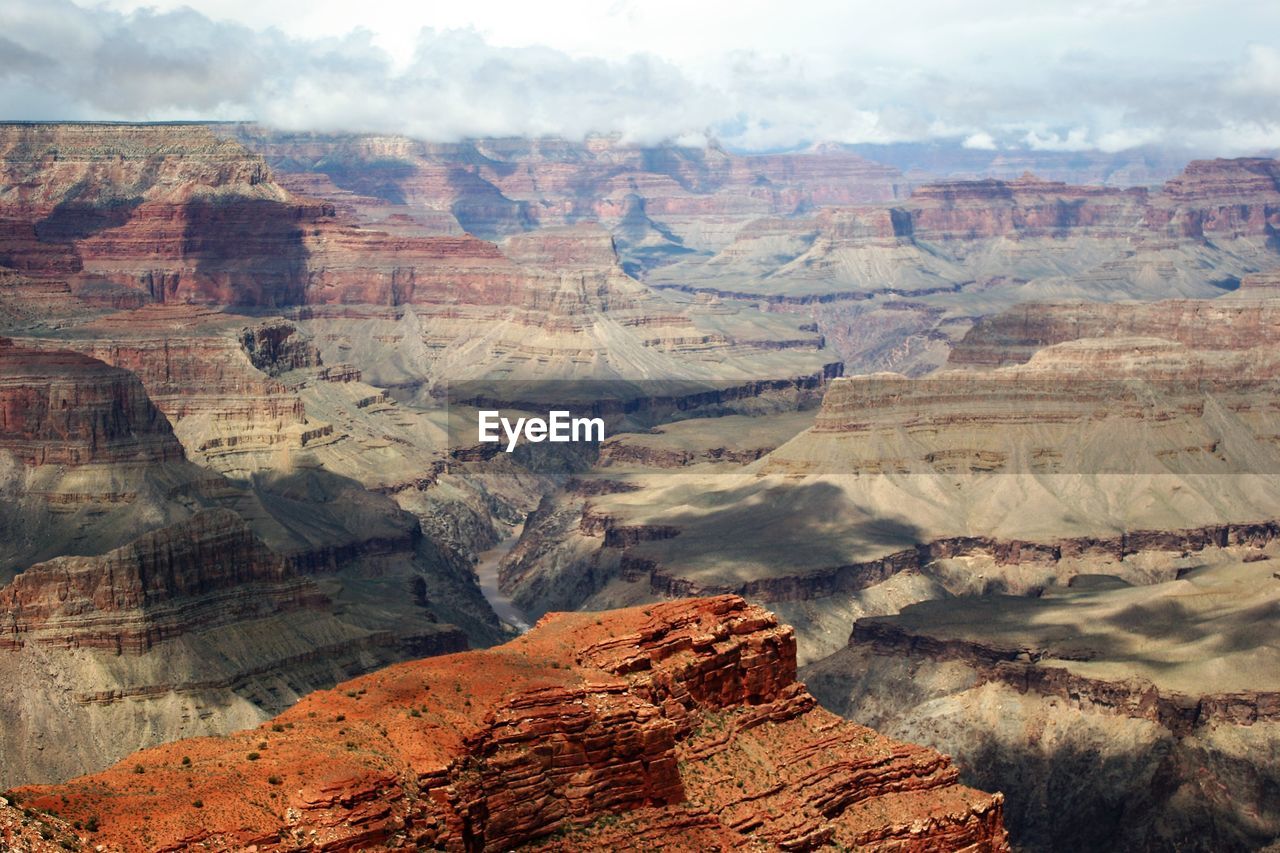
(207, 570)
(62, 408)
(138, 601)
(1163, 697)
(886, 284)
(143, 643)
(683, 719)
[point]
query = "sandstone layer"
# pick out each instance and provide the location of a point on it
(685, 717)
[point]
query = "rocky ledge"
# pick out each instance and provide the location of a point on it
(682, 719)
(62, 408)
(1117, 717)
(208, 570)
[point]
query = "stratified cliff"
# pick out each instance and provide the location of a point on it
(207, 570)
(62, 408)
(136, 213)
(138, 601)
(1243, 321)
(1116, 717)
(195, 628)
(682, 720)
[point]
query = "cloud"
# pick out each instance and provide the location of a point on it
(981, 140)
(989, 80)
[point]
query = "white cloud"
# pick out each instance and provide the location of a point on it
(1076, 139)
(981, 140)
(757, 74)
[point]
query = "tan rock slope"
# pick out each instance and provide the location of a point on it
(1164, 697)
(682, 720)
(1131, 452)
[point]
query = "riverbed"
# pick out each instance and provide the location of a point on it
(487, 575)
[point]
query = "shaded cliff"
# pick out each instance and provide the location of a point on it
(1162, 697)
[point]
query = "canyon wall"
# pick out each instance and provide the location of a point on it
(1163, 697)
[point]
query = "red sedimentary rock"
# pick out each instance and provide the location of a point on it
(1028, 207)
(681, 721)
(59, 407)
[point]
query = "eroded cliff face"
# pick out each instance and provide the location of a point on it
(195, 628)
(140, 603)
(207, 570)
(138, 213)
(682, 719)
(1161, 698)
(62, 408)
(87, 460)
(1242, 321)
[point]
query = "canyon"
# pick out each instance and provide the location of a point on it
(932, 420)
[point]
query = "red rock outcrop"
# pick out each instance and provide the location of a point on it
(1028, 207)
(27, 831)
(208, 570)
(362, 266)
(63, 408)
(1221, 199)
(151, 213)
(683, 719)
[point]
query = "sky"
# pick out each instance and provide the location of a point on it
(753, 74)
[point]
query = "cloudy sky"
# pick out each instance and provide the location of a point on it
(756, 74)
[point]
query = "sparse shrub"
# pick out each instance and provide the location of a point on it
(199, 804)
(139, 769)
(274, 780)
(92, 823)
(186, 761)
(253, 756)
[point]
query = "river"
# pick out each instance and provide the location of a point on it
(487, 575)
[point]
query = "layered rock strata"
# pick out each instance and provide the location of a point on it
(208, 570)
(1162, 697)
(669, 719)
(63, 408)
